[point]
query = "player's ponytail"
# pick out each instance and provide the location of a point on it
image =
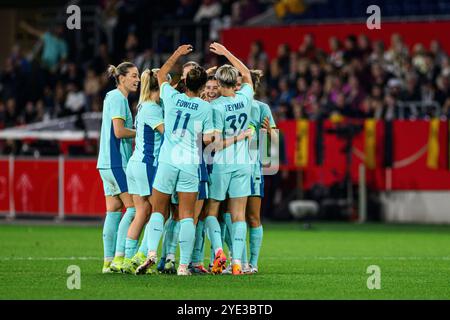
(112, 71)
(256, 77)
(149, 84)
(145, 86)
(153, 80)
(120, 70)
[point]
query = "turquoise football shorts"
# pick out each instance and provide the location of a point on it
(170, 179)
(234, 184)
(140, 177)
(114, 181)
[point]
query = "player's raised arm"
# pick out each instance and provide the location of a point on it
(219, 49)
(31, 30)
(181, 51)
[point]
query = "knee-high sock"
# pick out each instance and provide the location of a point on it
(223, 230)
(197, 253)
(229, 231)
(110, 227)
(165, 238)
(187, 239)
(143, 247)
(211, 255)
(239, 239)
(256, 237)
(245, 253)
(172, 239)
(213, 228)
(155, 229)
(130, 248)
(123, 230)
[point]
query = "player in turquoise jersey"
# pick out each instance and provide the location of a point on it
(115, 151)
(210, 93)
(172, 225)
(188, 122)
(264, 122)
(141, 169)
(231, 172)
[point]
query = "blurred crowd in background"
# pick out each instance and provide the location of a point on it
(58, 81)
(354, 78)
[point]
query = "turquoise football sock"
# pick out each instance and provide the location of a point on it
(256, 237)
(172, 242)
(155, 229)
(212, 255)
(228, 234)
(187, 238)
(244, 253)
(123, 230)
(143, 247)
(197, 253)
(202, 252)
(130, 247)
(214, 232)
(239, 239)
(110, 227)
(165, 238)
(223, 230)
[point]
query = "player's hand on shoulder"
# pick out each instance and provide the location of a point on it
(266, 124)
(248, 133)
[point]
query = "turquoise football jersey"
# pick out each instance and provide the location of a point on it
(148, 139)
(114, 152)
(260, 111)
(186, 120)
(231, 116)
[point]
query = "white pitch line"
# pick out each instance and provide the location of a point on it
(359, 258)
(48, 258)
(325, 258)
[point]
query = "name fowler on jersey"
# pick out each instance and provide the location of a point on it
(187, 104)
(234, 106)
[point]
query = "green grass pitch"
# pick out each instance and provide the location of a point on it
(328, 261)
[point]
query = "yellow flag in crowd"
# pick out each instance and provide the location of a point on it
(336, 118)
(370, 142)
(433, 144)
(301, 150)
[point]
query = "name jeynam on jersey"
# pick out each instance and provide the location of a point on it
(234, 106)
